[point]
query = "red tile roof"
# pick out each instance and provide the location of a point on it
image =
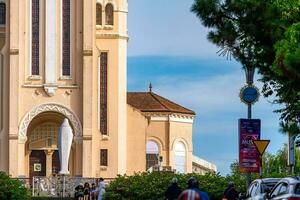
(151, 102)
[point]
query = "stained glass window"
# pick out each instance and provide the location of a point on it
(2, 13)
(35, 37)
(109, 14)
(98, 14)
(103, 93)
(66, 38)
(103, 157)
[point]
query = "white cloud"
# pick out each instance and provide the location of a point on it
(218, 107)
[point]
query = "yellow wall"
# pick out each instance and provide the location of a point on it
(181, 132)
(136, 141)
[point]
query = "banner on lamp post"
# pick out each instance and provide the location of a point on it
(249, 157)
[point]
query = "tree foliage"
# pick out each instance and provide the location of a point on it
(152, 186)
(261, 34)
(12, 189)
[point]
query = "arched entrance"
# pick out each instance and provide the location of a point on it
(41, 142)
(38, 131)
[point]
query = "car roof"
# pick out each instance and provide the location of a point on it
(268, 180)
(292, 180)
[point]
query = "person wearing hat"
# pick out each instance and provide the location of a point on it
(230, 193)
(173, 190)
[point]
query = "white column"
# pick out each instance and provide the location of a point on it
(50, 47)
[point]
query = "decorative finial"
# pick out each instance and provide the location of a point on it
(150, 87)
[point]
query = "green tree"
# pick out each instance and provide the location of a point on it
(261, 34)
(11, 189)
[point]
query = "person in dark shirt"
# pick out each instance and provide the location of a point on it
(230, 193)
(79, 192)
(86, 191)
(173, 190)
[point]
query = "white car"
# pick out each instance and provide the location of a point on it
(286, 189)
(259, 188)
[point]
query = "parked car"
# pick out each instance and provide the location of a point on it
(286, 189)
(259, 188)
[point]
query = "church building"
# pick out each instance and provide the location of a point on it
(67, 59)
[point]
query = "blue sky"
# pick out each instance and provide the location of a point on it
(168, 47)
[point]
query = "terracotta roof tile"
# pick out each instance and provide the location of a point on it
(151, 102)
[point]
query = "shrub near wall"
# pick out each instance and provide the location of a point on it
(152, 186)
(11, 189)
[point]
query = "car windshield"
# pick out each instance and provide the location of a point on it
(267, 186)
(297, 189)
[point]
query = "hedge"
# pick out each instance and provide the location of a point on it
(152, 186)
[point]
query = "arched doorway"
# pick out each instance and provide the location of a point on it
(41, 142)
(152, 154)
(180, 157)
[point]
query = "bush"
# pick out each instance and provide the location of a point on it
(152, 186)
(11, 189)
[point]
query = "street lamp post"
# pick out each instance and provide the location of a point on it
(249, 79)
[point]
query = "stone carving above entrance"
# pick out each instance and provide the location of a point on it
(50, 107)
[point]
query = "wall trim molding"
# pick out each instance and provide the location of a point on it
(170, 117)
(111, 36)
(87, 52)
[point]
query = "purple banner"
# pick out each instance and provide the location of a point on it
(249, 130)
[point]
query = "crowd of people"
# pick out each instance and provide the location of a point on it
(193, 191)
(90, 192)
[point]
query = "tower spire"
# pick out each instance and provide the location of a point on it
(150, 87)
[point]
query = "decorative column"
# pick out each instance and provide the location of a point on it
(22, 157)
(50, 85)
(49, 154)
(88, 88)
(13, 88)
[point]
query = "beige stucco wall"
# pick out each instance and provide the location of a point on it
(166, 133)
(158, 131)
(181, 132)
(136, 141)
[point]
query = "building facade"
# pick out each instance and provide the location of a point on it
(68, 59)
(202, 167)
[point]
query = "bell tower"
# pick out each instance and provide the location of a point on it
(105, 38)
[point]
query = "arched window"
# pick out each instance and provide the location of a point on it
(47, 132)
(180, 157)
(98, 14)
(2, 13)
(152, 154)
(66, 38)
(35, 37)
(109, 14)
